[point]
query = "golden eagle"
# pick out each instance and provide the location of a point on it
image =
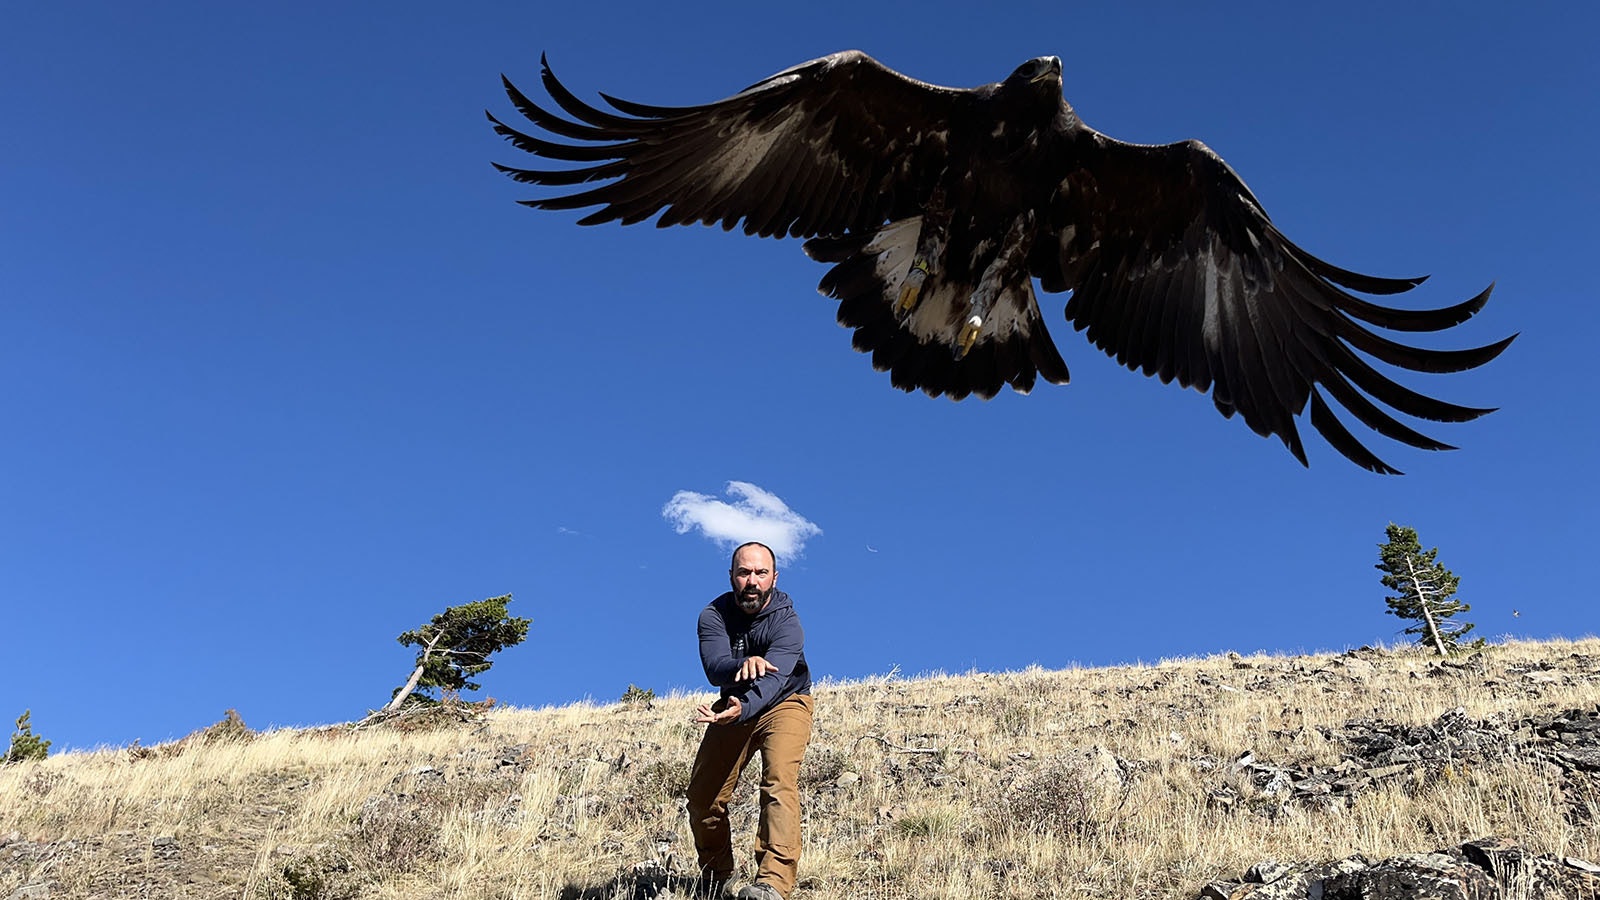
(939, 206)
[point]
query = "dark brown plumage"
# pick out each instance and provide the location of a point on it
(938, 208)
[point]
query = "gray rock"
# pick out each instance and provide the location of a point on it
(1379, 750)
(1303, 884)
(1487, 869)
(1582, 865)
(1266, 872)
(1356, 667)
(1278, 784)
(1414, 876)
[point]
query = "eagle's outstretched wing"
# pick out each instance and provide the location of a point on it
(1176, 271)
(832, 145)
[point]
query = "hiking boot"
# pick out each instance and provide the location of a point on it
(759, 891)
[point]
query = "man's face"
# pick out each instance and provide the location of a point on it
(753, 574)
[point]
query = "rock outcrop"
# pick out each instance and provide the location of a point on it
(1488, 869)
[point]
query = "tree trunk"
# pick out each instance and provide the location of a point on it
(401, 695)
(416, 676)
(1427, 610)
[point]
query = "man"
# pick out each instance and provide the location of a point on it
(752, 648)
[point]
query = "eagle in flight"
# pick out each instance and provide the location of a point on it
(938, 207)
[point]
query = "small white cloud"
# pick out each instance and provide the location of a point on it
(754, 515)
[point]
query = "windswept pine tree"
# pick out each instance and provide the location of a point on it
(456, 645)
(1424, 589)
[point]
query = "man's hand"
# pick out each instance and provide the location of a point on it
(754, 667)
(723, 712)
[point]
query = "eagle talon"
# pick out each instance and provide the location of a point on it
(908, 300)
(911, 291)
(969, 336)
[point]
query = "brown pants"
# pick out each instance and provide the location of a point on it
(780, 734)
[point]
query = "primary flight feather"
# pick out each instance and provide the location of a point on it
(938, 207)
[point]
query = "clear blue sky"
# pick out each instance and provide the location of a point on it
(286, 370)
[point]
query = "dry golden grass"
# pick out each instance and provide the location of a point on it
(980, 785)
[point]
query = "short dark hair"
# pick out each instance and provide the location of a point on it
(770, 554)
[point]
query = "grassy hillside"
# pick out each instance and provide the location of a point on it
(1132, 781)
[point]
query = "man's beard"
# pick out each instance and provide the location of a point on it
(752, 600)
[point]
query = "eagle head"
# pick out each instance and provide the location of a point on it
(1032, 92)
(1045, 69)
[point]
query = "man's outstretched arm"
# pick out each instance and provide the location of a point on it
(716, 656)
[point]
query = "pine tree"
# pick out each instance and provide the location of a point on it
(456, 645)
(24, 743)
(1424, 590)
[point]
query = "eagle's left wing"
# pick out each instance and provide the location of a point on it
(838, 144)
(1176, 270)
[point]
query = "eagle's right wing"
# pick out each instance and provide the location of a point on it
(838, 144)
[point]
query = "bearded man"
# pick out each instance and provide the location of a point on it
(752, 648)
